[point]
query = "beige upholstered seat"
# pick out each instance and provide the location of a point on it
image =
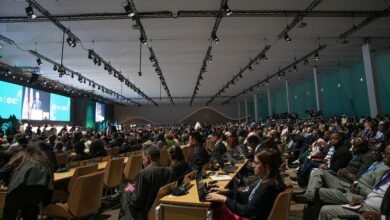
(115, 151)
(62, 194)
(281, 207)
(113, 173)
(62, 159)
(164, 190)
(81, 171)
(84, 198)
(133, 166)
(164, 160)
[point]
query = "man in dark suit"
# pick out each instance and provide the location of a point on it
(199, 156)
(219, 149)
(139, 197)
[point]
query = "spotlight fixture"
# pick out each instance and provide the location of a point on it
(215, 38)
(105, 67)
(109, 71)
(90, 55)
(99, 62)
(200, 77)
(227, 10)
(305, 62)
(30, 12)
(210, 58)
(71, 42)
(55, 68)
(250, 68)
(72, 75)
(287, 38)
(151, 58)
(129, 11)
(143, 40)
(265, 58)
(295, 68)
(39, 61)
(139, 73)
(60, 74)
(240, 75)
(95, 60)
(204, 70)
(317, 56)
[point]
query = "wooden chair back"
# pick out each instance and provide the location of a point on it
(164, 160)
(86, 195)
(112, 173)
(164, 190)
(115, 151)
(281, 206)
(81, 171)
(133, 166)
(62, 159)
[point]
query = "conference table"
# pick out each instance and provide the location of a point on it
(68, 174)
(188, 206)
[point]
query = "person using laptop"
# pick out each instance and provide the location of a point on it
(255, 203)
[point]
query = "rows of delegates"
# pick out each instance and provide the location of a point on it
(338, 161)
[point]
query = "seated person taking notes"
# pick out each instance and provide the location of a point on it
(256, 203)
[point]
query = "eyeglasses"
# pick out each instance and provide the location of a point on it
(385, 154)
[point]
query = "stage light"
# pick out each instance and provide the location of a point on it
(151, 58)
(90, 55)
(287, 38)
(139, 73)
(305, 62)
(39, 61)
(294, 68)
(215, 38)
(55, 68)
(265, 58)
(317, 56)
(143, 40)
(129, 11)
(250, 68)
(71, 42)
(30, 12)
(210, 58)
(227, 10)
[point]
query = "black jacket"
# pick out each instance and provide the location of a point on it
(261, 204)
(218, 150)
(179, 170)
(385, 207)
(341, 157)
(136, 205)
(198, 158)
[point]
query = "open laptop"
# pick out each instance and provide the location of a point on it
(201, 186)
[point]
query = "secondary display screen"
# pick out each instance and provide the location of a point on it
(59, 108)
(99, 112)
(36, 104)
(10, 99)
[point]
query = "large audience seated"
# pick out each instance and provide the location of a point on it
(338, 161)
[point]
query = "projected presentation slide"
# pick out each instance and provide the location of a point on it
(10, 99)
(99, 112)
(59, 108)
(36, 104)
